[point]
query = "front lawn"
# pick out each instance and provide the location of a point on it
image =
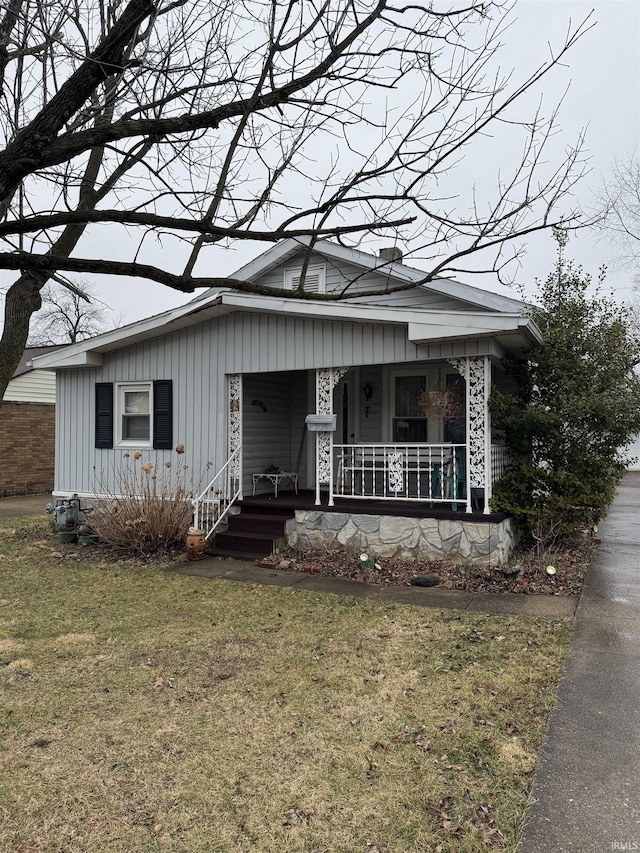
(145, 711)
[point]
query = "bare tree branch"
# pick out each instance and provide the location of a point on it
(199, 123)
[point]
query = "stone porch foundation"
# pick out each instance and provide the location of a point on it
(428, 539)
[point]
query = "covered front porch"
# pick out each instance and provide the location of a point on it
(402, 440)
(415, 432)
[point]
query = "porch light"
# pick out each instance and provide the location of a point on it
(367, 391)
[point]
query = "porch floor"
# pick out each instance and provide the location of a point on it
(305, 500)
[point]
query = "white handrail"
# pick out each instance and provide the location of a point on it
(212, 506)
(401, 472)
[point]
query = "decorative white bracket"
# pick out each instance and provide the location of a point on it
(326, 380)
(235, 425)
(477, 373)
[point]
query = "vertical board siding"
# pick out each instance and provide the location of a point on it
(198, 360)
(299, 433)
(358, 280)
(371, 425)
(266, 436)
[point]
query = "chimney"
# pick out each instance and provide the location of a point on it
(391, 253)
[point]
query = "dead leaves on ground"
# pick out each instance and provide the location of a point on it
(482, 822)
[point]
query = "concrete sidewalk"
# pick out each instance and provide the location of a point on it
(505, 603)
(586, 793)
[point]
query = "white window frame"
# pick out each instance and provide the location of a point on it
(295, 272)
(119, 411)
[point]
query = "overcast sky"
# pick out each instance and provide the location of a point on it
(603, 71)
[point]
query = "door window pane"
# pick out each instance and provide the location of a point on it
(409, 423)
(408, 389)
(409, 429)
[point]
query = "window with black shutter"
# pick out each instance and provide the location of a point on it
(163, 414)
(104, 414)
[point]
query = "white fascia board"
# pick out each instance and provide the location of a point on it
(81, 355)
(368, 313)
(473, 326)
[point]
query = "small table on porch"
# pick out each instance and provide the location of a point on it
(276, 479)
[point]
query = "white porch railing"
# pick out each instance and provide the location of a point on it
(212, 506)
(436, 473)
(499, 461)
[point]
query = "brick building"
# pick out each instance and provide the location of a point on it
(27, 428)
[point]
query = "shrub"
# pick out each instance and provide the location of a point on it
(149, 510)
(577, 407)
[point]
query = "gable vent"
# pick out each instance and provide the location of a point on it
(314, 281)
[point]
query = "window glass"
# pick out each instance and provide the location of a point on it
(135, 418)
(408, 390)
(409, 429)
(136, 402)
(454, 430)
(455, 383)
(409, 423)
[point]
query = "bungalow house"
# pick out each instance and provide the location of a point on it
(27, 426)
(361, 423)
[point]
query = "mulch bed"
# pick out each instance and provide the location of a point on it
(526, 572)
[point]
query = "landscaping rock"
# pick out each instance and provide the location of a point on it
(424, 580)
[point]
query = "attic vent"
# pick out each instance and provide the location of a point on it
(314, 280)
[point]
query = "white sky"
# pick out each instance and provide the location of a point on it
(603, 71)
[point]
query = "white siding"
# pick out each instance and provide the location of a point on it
(198, 360)
(634, 451)
(355, 279)
(371, 424)
(37, 386)
(266, 436)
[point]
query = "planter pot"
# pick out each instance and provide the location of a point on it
(68, 538)
(196, 544)
(88, 539)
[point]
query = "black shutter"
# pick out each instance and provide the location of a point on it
(163, 414)
(104, 414)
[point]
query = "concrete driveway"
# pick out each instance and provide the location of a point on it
(24, 505)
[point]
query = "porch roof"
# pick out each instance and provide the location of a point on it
(511, 328)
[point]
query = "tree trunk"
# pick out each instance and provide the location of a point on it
(23, 299)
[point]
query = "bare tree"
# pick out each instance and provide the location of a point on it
(618, 223)
(70, 312)
(199, 122)
(619, 219)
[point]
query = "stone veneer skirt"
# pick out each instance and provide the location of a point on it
(387, 536)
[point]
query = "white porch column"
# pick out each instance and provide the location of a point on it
(326, 380)
(235, 427)
(477, 373)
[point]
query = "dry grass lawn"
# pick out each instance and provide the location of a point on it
(144, 711)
